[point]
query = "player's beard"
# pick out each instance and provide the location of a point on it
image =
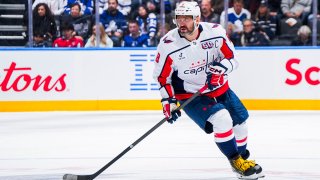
(185, 30)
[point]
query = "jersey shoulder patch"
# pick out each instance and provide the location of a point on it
(169, 37)
(167, 40)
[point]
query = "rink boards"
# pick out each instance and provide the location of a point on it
(121, 79)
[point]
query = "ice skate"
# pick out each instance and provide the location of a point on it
(244, 169)
(257, 167)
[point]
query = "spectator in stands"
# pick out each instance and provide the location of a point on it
(114, 22)
(231, 34)
(230, 29)
(56, 6)
(249, 37)
(304, 37)
(81, 23)
(124, 6)
(236, 15)
(218, 6)
(274, 6)
(294, 14)
(86, 6)
(251, 5)
(135, 38)
(275, 11)
(68, 38)
(298, 9)
(39, 40)
(207, 12)
(264, 22)
(147, 22)
(43, 20)
(154, 6)
(105, 41)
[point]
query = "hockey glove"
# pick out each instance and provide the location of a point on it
(215, 75)
(169, 109)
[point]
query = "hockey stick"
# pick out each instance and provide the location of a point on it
(94, 175)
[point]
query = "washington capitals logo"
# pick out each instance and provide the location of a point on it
(165, 40)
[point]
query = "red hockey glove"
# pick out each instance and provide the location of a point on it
(169, 109)
(215, 75)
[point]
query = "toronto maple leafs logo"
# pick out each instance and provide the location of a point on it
(165, 40)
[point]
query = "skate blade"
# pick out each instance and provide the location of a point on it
(251, 177)
(260, 175)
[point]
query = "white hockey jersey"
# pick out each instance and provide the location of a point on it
(181, 65)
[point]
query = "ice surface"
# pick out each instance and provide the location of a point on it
(46, 145)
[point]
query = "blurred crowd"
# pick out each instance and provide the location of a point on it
(139, 23)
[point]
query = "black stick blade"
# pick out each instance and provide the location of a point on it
(76, 177)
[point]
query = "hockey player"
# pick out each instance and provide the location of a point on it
(189, 57)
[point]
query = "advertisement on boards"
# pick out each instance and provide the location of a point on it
(122, 75)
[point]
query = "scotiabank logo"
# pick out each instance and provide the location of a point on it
(311, 74)
(18, 79)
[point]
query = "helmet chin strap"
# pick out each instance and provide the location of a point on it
(195, 27)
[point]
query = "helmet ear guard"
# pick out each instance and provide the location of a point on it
(174, 21)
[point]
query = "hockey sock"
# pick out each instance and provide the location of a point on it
(241, 134)
(242, 150)
(229, 147)
(223, 133)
